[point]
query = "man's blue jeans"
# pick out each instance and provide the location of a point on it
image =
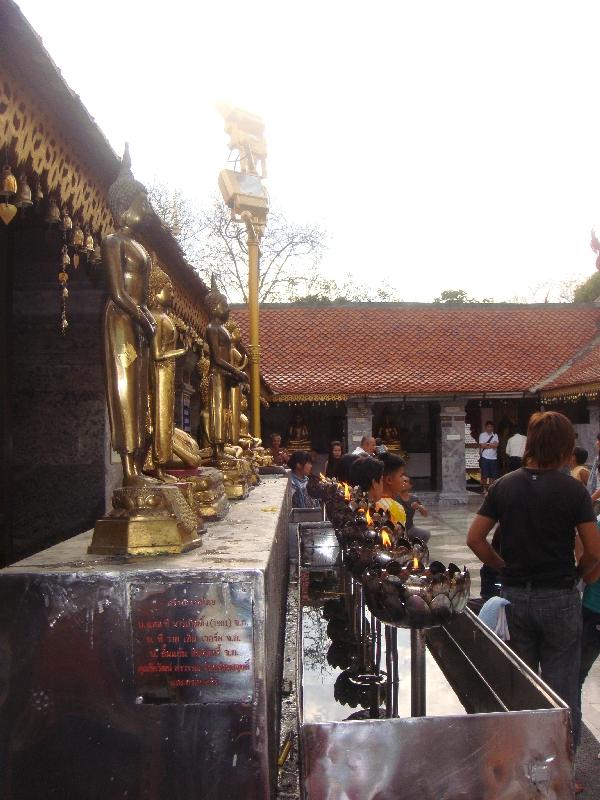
(545, 631)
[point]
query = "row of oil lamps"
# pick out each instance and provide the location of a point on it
(402, 588)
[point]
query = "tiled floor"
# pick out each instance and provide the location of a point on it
(448, 526)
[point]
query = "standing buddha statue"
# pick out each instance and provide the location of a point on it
(298, 434)
(148, 517)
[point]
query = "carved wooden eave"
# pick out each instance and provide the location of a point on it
(50, 134)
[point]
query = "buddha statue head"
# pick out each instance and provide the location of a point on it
(234, 332)
(216, 302)
(128, 198)
(161, 288)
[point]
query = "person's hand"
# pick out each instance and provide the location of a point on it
(415, 505)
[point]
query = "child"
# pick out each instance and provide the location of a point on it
(301, 465)
(393, 478)
(411, 504)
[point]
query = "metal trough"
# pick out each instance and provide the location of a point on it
(492, 730)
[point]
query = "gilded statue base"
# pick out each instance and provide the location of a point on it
(296, 444)
(207, 491)
(271, 469)
(146, 520)
(236, 475)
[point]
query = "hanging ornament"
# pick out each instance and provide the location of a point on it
(8, 183)
(77, 236)
(89, 242)
(53, 215)
(65, 258)
(63, 277)
(67, 222)
(23, 198)
(38, 195)
(95, 258)
(7, 212)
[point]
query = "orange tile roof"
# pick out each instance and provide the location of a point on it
(584, 369)
(404, 348)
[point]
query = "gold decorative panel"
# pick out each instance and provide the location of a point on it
(36, 142)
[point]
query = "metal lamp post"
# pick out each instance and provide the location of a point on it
(244, 193)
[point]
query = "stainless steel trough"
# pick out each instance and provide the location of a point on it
(493, 729)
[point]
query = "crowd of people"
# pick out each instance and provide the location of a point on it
(544, 553)
(392, 487)
(543, 560)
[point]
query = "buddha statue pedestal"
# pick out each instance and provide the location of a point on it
(147, 520)
(236, 476)
(208, 498)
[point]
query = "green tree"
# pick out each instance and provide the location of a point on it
(459, 297)
(214, 244)
(588, 290)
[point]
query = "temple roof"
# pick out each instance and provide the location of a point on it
(424, 349)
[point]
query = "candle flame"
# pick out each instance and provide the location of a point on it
(385, 538)
(369, 518)
(347, 495)
(415, 563)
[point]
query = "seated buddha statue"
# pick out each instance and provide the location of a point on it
(298, 435)
(389, 433)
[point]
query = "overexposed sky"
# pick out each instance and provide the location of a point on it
(443, 144)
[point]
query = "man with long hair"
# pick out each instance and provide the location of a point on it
(539, 509)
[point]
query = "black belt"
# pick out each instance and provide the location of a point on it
(539, 583)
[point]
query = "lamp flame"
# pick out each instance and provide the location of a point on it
(347, 495)
(369, 518)
(385, 538)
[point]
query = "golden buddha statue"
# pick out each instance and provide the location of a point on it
(239, 361)
(148, 517)
(223, 375)
(389, 433)
(298, 435)
(128, 325)
(162, 373)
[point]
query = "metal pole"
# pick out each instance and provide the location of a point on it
(254, 348)
(417, 672)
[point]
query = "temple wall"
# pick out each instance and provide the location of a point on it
(59, 421)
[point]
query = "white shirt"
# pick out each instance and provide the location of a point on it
(489, 452)
(358, 451)
(516, 445)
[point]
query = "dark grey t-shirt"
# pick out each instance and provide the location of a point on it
(538, 511)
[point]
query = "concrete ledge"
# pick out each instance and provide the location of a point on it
(88, 712)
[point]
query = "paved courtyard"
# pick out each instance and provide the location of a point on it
(448, 526)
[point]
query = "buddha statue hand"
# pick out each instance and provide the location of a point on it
(146, 322)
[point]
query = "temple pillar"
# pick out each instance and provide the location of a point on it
(359, 422)
(586, 432)
(453, 488)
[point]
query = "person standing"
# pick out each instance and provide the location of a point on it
(335, 453)
(278, 453)
(515, 447)
(366, 447)
(412, 504)
(539, 508)
(488, 455)
(301, 465)
(579, 471)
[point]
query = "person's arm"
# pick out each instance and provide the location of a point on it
(584, 475)
(589, 563)
(416, 505)
(477, 541)
(596, 494)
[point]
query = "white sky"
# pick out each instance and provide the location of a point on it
(443, 144)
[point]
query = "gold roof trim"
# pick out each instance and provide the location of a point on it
(572, 392)
(309, 398)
